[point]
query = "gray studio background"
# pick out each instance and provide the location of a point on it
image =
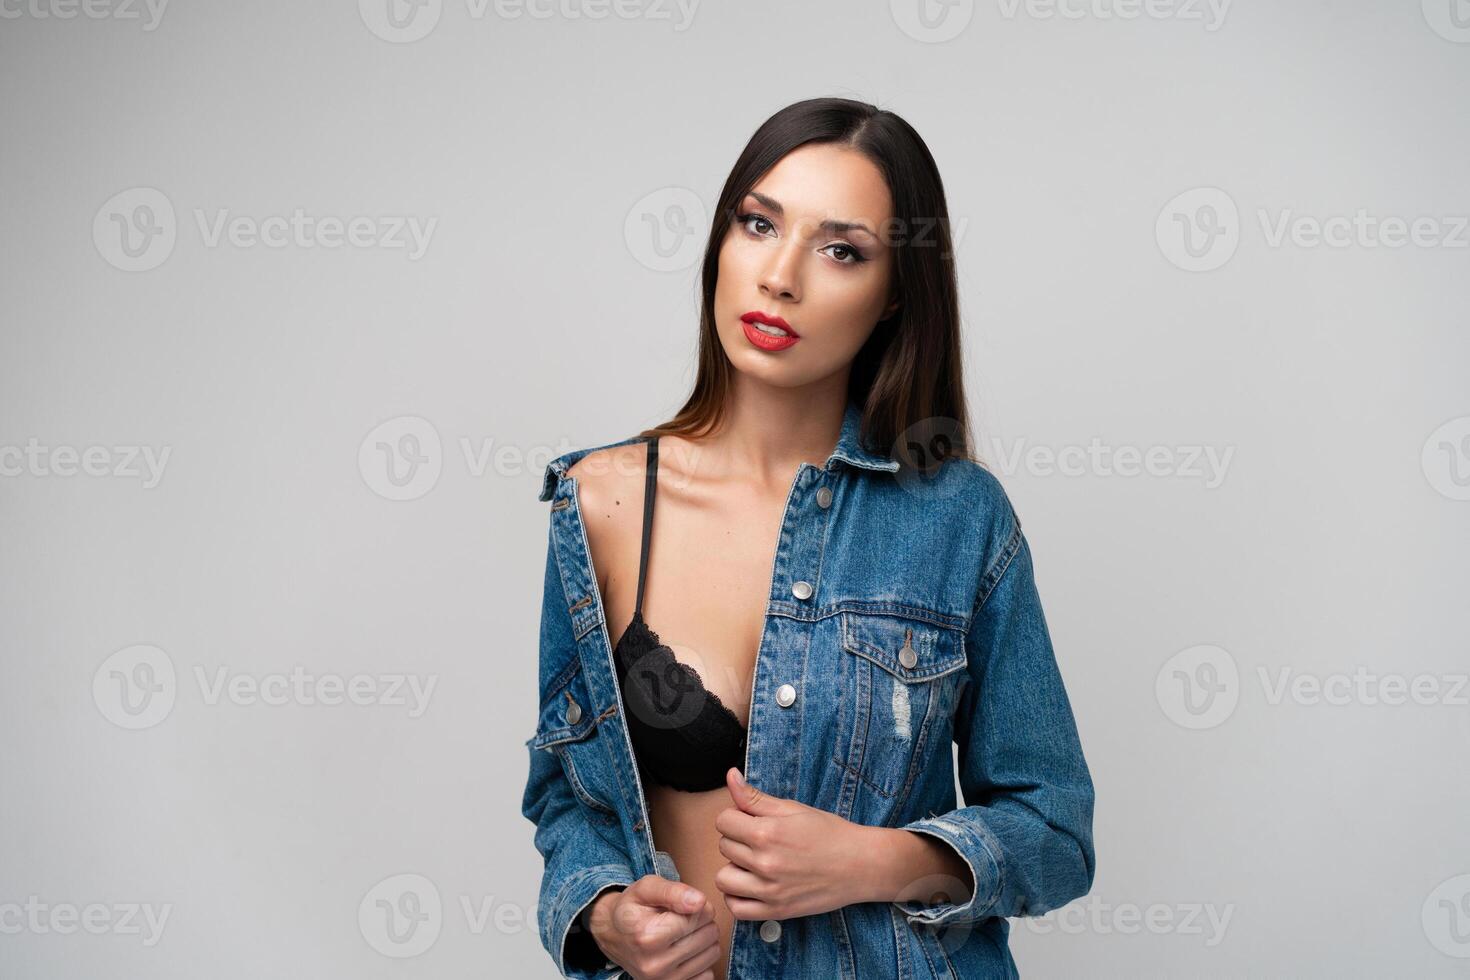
(298, 300)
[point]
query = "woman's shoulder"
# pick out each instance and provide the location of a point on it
(609, 477)
(595, 466)
(975, 476)
(961, 482)
(964, 496)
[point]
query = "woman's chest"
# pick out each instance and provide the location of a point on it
(845, 666)
(706, 585)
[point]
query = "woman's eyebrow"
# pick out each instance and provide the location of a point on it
(829, 225)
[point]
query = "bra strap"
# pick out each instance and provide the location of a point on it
(650, 484)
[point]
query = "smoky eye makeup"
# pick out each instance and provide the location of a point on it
(854, 255)
(744, 220)
(848, 253)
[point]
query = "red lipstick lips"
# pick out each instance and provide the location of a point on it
(780, 337)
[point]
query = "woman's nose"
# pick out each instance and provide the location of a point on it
(780, 278)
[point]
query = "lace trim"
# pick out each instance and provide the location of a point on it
(646, 643)
(691, 755)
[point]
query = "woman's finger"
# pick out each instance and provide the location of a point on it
(735, 880)
(692, 944)
(748, 908)
(738, 853)
(735, 823)
(698, 964)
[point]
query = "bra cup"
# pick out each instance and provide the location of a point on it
(683, 735)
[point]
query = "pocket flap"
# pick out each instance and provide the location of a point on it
(566, 716)
(909, 649)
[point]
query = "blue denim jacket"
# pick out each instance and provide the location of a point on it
(904, 611)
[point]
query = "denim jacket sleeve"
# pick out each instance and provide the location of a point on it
(1026, 833)
(580, 863)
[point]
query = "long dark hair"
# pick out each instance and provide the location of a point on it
(907, 379)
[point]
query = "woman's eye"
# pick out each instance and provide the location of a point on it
(847, 255)
(746, 219)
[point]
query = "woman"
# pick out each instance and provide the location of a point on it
(756, 779)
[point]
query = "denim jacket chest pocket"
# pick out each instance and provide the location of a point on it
(899, 681)
(568, 727)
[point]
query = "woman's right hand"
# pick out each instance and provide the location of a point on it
(657, 929)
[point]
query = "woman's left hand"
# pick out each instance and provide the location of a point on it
(788, 859)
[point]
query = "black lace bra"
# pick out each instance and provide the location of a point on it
(683, 735)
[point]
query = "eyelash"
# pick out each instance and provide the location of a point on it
(857, 257)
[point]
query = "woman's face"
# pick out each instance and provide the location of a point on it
(830, 283)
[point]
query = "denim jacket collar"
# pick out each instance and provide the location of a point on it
(849, 449)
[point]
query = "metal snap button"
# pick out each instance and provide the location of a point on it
(770, 930)
(574, 713)
(824, 497)
(802, 590)
(907, 656)
(785, 695)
